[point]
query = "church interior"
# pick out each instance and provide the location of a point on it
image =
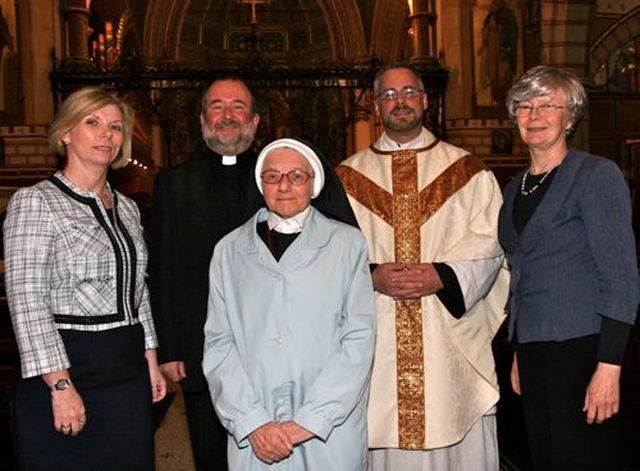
(310, 65)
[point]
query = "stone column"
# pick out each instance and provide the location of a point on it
(157, 145)
(75, 14)
(423, 16)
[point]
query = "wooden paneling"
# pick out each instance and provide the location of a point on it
(602, 112)
(613, 117)
(628, 116)
(613, 120)
(604, 147)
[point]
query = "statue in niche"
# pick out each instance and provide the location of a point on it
(499, 50)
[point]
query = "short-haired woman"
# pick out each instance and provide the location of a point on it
(566, 230)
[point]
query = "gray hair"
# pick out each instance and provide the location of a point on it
(543, 80)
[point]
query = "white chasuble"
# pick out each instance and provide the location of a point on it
(433, 375)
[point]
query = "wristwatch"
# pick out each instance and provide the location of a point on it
(61, 384)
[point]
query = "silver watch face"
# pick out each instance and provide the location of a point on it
(62, 384)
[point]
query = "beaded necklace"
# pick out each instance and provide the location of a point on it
(523, 184)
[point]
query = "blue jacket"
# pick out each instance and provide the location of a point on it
(575, 261)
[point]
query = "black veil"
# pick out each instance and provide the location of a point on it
(332, 200)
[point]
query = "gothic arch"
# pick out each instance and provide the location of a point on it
(618, 34)
(565, 34)
(164, 19)
(389, 31)
(162, 29)
(346, 29)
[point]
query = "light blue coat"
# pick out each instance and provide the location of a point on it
(292, 340)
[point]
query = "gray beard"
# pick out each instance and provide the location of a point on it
(231, 147)
(235, 147)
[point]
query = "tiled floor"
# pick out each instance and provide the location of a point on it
(173, 451)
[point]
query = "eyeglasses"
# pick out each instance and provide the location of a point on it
(546, 109)
(408, 93)
(295, 177)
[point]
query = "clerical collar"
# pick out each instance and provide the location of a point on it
(229, 159)
(389, 144)
(288, 225)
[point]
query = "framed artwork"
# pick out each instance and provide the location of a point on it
(501, 141)
(11, 110)
(497, 54)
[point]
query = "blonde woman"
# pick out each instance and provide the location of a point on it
(75, 277)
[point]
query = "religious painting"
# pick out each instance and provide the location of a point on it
(501, 141)
(497, 50)
(10, 83)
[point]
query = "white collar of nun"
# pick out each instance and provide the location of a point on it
(288, 225)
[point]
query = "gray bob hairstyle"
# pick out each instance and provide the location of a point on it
(80, 104)
(543, 80)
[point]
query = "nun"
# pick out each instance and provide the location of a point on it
(290, 329)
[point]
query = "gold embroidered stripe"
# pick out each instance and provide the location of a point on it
(409, 341)
(366, 192)
(411, 377)
(448, 183)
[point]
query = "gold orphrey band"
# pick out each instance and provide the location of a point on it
(410, 364)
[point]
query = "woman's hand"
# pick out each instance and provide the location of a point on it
(158, 382)
(270, 443)
(69, 414)
(297, 434)
(515, 376)
(602, 400)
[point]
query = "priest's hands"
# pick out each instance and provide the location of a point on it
(406, 280)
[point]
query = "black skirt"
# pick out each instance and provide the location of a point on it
(110, 372)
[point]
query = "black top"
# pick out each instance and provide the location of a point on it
(195, 204)
(277, 242)
(525, 205)
(332, 200)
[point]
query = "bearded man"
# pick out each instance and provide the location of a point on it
(195, 204)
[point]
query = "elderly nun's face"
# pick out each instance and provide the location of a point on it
(284, 198)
